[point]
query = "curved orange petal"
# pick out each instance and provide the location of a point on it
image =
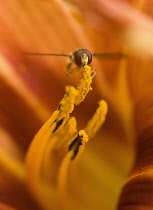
(13, 189)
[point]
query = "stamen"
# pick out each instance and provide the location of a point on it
(62, 177)
(57, 143)
(84, 85)
(39, 145)
(57, 147)
(78, 143)
(97, 120)
(75, 148)
(65, 108)
(67, 133)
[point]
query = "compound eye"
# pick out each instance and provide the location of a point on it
(78, 56)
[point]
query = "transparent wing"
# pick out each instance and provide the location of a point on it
(45, 54)
(110, 55)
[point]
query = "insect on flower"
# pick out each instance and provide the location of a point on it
(82, 57)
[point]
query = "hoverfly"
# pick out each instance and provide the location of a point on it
(81, 57)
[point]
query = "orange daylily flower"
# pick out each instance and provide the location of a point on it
(46, 160)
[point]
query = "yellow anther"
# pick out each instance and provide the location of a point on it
(84, 85)
(67, 103)
(97, 120)
(66, 106)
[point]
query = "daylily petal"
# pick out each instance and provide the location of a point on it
(9, 145)
(131, 26)
(12, 182)
(136, 207)
(138, 190)
(6, 207)
(15, 95)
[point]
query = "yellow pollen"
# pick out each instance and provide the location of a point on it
(84, 85)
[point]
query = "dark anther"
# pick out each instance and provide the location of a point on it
(59, 106)
(58, 123)
(75, 144)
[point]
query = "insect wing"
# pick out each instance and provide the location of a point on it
(109, 55)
